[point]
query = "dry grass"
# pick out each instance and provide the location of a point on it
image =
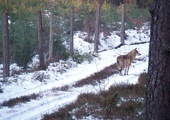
(18, 100)
(63, 88)
(143, 78)
(96, 77)
(119, 102)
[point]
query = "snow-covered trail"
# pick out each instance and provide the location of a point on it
(70, 77)
(38, 107)
(51, 101)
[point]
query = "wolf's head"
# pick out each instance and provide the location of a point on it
(136, 52)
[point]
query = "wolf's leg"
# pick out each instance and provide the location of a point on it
(125, 71)
(128, 69)
(120, 72)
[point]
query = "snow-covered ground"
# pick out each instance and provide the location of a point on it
(67, 73)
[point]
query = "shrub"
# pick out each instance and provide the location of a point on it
(62, 114)
(131, 110)
(143, 78)
(22, 99)
(60, 50)
(78, 58)
(23, 48)
(119, 102)
(40, 76)
(1, 90)
(63, 88)
(23, 54)
(125, 101)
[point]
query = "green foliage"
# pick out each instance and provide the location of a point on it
(110, 17)
(23, 31)
(63, 8)
(59, 49)
(21, 9)
(23, 54)
(146, 17)
(22, 28)
(134, 12)
(78, 58)
(61, 11)
(23, 39)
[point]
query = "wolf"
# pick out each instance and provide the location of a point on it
(124, 61)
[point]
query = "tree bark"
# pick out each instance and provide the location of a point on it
(51, 38)
(158, 84)
(6, 48)
(72, 31)
(96, 40)
(122, 39)
(40, 42)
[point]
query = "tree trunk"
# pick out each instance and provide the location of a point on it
(122, 39)
(158, 84)
(96, 40)
(72, 31)
(40, 43)
(6, 48)
(51, 38)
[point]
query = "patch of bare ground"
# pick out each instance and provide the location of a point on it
(96, 77)
(125, 102)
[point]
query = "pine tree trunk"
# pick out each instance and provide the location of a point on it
(72, 31)
(51, 38)
(6, 48)
(158, 84)
(96, 40)
(40, 42)
(122, 39)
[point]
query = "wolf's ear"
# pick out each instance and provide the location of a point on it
(135, 48)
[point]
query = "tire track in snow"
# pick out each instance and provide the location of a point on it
(34, 112)
(41, 108)
(75, 76)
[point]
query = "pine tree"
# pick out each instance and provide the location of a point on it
(158, 84)
(97, 23)
(6, 44)
(40, 42)
(72, 31)
(123, 22)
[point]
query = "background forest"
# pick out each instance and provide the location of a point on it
(22, 19)
(79, 84)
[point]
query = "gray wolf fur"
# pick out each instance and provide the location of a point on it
(124, 61)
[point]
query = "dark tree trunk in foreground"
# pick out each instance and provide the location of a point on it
(96, 39)
(5, 34)
(122, 37)
(158, 84)
(71, 30)
(40, 43)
